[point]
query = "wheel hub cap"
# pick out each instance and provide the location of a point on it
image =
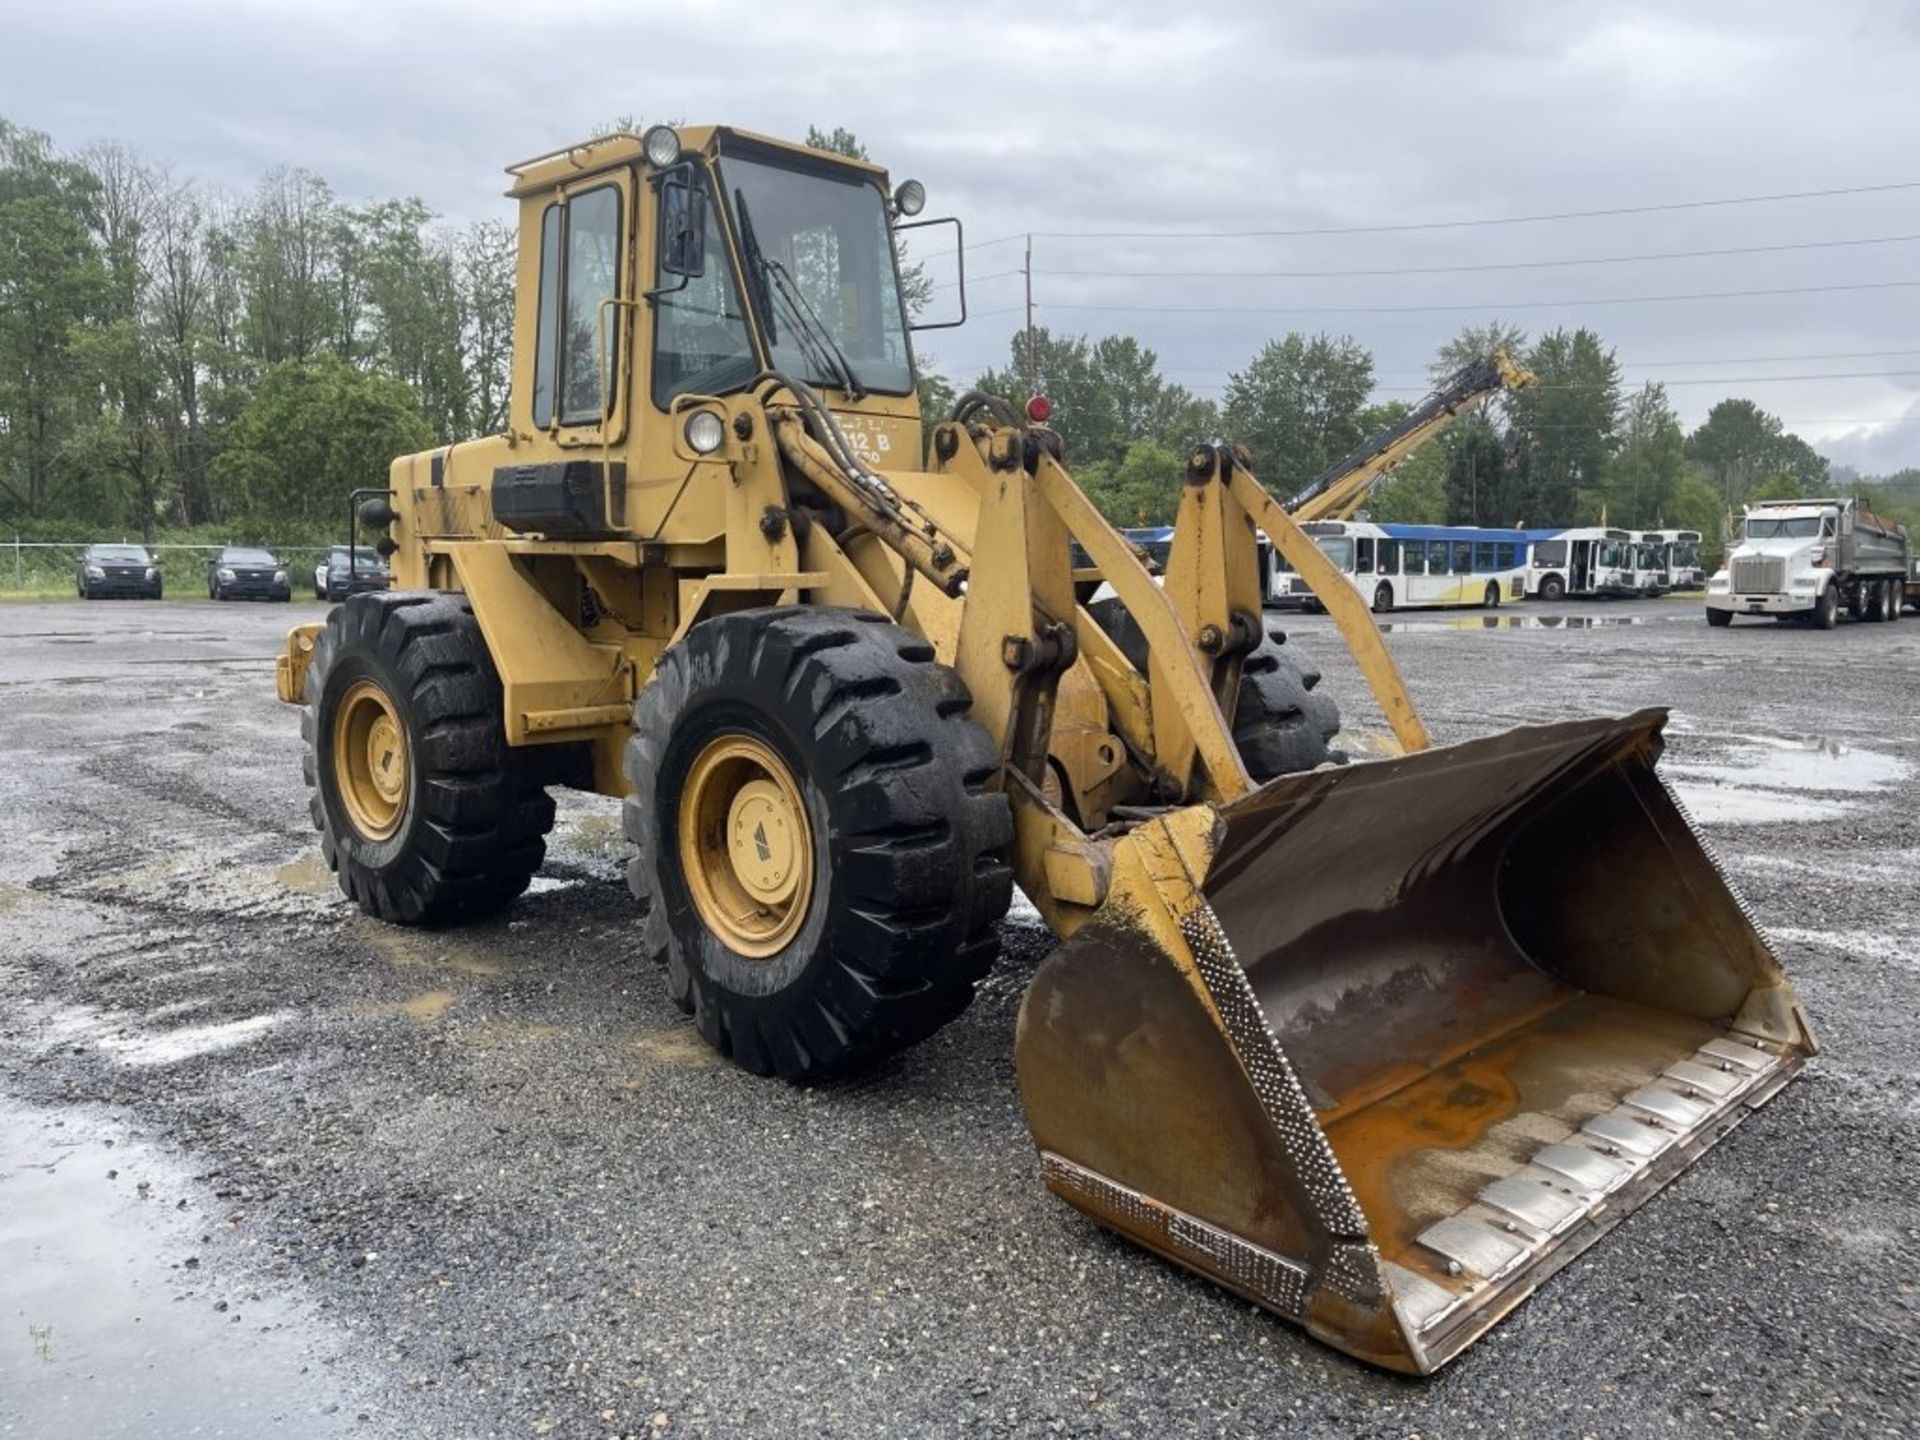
(746, 845)
(370, 760)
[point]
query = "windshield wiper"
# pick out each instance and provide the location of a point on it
(815, 339)
(808, 319)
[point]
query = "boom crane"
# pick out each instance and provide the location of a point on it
(1343, 487)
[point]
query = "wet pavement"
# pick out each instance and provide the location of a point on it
(487, 1181)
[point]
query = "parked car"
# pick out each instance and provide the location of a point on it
(341, 574)
(243, 572)
(106, 570)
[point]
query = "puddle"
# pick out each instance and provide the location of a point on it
(428, 950)
(422, 1009)
(679, 1046)
(1523, 622)
(308, 875)
(1771, 780)
(110, 1333)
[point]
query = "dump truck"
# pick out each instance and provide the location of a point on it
(1364, 1043)
(1810, 559)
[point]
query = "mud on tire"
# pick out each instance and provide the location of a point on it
(471, 831)
(907, 842)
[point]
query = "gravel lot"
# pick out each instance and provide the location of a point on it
(313, 1175)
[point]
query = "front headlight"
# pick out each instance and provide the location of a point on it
(705, 432)
(222, 572)
(910, 198)
(94, 572)
(279, 577)
(152, 574)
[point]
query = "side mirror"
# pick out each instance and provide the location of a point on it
(959, 266)
(683, 228)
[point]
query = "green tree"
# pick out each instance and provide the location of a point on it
(53, 284)
(313, 431)
(1641, 484)
(1744, 450)
(1143, 488)
(1564, 429)
(1297, 406)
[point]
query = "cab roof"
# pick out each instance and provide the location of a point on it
(624, 147)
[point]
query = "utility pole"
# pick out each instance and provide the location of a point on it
(1032, 378)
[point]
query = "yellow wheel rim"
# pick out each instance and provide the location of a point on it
(370, 760)
(745, 845)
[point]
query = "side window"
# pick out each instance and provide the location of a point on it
(1483, 553)
(545, 321)
(700, 343)
(1463, 557)
(1389, 557)
(593, 277)
(1415, 553)
(1363, 558)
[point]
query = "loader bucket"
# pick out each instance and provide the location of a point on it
(1382, 1047)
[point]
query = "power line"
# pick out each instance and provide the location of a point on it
(1482, 306)
(1652, 209)
(1474, 269)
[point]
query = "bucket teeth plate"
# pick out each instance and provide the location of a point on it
(1383, 1047)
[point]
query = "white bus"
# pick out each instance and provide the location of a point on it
(1685, 570)
(1397, 567)
(1585, 561)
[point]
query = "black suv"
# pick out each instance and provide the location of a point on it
(117, 570)
(241, 572)
(342, 574)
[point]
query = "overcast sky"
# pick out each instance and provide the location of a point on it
(1134, 117)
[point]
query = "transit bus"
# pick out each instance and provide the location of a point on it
(1685, 568)
(1585, 561)
(1396, 567)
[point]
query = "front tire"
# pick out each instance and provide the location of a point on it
(822, 861)
(1826, 610)
(1553, 588)
(1719, 619)
(1382, 598)
(424, 811)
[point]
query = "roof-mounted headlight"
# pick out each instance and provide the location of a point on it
(910, 198)
(662, 144)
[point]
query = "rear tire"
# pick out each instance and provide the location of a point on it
(1896, 599)
(1280, 725)
(1382, 598)
(1491, 599)
(1719, 619)
(869, 919)
(461, 829)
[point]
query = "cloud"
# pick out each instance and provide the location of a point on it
(1125, 116)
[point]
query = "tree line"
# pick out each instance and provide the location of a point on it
(175, 357)
(1574, 449)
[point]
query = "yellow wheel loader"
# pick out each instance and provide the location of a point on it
(1378, 1046)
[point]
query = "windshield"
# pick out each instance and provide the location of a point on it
(119, 554)
(247, 557)
(1686, 554)
(1339, 550)
(1797, 527)
(1650, 557)
(1616, 553)
(819, 265)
